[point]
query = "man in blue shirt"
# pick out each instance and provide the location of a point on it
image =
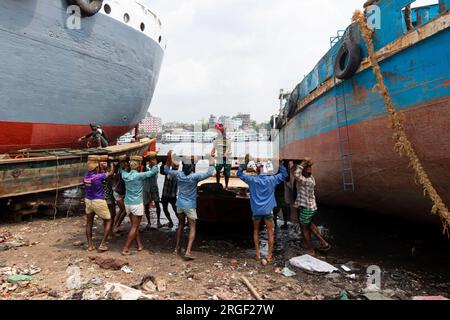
(187, 199)
(134, 203)
(262, 200)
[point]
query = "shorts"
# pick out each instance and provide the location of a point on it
(99, 207)
(268, 216)
(135, 210)
(305, 216)
(190, 213)
(226, 169)
(149, 197)
(118, 197)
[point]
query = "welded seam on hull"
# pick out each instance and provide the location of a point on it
(408, 40)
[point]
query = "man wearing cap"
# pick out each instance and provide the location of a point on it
(262, 200)
(97, 135)
(134, 204)
(187, 198)
(222, 151)
(95, 201)
(307, 206)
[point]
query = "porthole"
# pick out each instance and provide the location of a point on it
(107, 8)
(142, 27)
(126, 17)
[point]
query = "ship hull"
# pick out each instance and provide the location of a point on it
(55, 81)
(419, 81)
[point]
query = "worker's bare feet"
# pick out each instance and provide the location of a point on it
(269, 259)
(139, 249)
(177, 252)
(312, 253)
(258, 258)
(188, 257)
(325, 247)
(90, 248)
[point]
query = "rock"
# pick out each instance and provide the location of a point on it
(126, 269)
(234, 263)
(78, 243)
(307, 293)
(161, 285)
(53, 294)
(96, 281)
(264, 262)
(110, 263)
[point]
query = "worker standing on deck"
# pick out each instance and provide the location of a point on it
(151, 191)
(98, 136)
(187, 199)
(95, 201)
(222, 151)
(262, 200)
(307, 206)
(134, 204)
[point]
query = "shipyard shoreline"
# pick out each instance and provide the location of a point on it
(413, 259)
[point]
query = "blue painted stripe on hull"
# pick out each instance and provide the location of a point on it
(106, 72)
(415, 76)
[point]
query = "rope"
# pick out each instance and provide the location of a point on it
(402, 144)
(408, 12)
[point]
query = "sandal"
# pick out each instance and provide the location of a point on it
(325, 249)
(103, 248)
(126, 253)
(188, 258)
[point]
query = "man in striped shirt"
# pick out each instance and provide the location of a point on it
(307, 206)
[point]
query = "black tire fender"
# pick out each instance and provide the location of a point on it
(88, 8)
(347, 60)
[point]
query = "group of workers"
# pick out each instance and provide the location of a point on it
(131, 184)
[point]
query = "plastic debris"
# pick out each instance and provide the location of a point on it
(18, 278)
(310, 263)
(376, 296)
(345, 268)
(288, 272)
(126, 269)
(126, 293)
(344, 295)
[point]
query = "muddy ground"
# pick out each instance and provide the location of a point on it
(414, 260)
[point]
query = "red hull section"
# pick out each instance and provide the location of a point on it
(384, 182)
(18, 135)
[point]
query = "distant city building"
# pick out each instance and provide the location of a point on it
(232, 124)
(212, 121)
(246, 120)
(222, 119)
(151, 124)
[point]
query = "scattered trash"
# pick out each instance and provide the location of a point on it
(310, 263)
(126, 269)
(264, 262)
(397, 275)
(333, 276)
(122, 292)
(345, 268)
(429, 298)
(109, 263)
(9, 241)
(97, 282)
(288, 272)
(351, 276)
(376, 296)
(251, 288)
(344, 295)
(371, 288)
(19, 278)
(73, 282)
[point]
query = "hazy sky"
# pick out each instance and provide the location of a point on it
(230, 56)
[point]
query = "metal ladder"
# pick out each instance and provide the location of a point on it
(348, 181)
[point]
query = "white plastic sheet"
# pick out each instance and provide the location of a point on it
(310, 263)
